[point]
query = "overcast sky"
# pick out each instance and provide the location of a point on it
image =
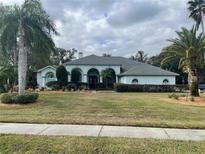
(117, 27)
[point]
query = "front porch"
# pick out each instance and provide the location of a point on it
(93, 77)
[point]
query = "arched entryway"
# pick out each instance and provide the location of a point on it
(109, 77)
(76, 75)
(93, 78)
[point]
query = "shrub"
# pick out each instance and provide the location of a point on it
(101, 86)
(14, 98)
(175, 96)
(82, 86)
(181, 88)
(54, 85)
(6, 98)
(183, 95)
(71, 86)
(170, 95)
(62, 75)
(76, 86)
(192, 99)
(143, 88)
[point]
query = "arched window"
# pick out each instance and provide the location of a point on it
(165, 81)
(50, 75)
(135, 81)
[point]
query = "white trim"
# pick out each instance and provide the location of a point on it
(49, 66)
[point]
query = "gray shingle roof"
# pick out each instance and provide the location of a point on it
(98, 60)
(147, 70)
(129, 67)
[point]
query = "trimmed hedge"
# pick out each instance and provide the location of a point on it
(77, 86)
(54, 85)
(14, 98)
(143, 88)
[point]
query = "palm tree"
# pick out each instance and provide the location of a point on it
(8, 76)
(197, 10)
(26, 29)
(106, 75)
(190, 48)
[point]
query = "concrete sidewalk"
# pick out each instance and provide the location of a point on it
(98, 131)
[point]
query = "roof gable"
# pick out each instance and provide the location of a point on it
(49, 66)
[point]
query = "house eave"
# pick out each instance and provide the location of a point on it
(122, 75)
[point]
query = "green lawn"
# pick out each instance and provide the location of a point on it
(134, 109)
(43, 144)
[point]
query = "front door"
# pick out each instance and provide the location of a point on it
(93, 80)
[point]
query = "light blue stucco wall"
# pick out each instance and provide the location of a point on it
(153, 80)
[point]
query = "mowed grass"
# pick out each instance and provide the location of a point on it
(106, 108)
(43, 144)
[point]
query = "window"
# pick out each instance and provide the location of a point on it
(50, 75)
(135, 81)
(165, 81)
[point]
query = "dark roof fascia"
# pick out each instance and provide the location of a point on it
(96, 64)
(122, 75)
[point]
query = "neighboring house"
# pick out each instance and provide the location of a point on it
(88, 70)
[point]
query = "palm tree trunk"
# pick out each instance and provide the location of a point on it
(194, 86)
(202, 24)
(193, 80)
(22, 60)
(15, 53)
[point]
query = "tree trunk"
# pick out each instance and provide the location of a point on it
(22, 60)
(15, 58)
(193, 79)
(202, 24)
(194, 86)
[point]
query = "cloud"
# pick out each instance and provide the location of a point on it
(127, 14)
(11, 2)
(117, 27)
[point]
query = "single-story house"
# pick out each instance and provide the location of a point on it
(89, 70)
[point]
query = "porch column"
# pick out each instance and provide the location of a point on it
(101, 79)
(69, 78)
(117, 81)
(85, 78)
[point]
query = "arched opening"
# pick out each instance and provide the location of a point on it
(93, 78)
(109, 77)
(165, 81)
(76, 75)
(50, 76)
(135, 81)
